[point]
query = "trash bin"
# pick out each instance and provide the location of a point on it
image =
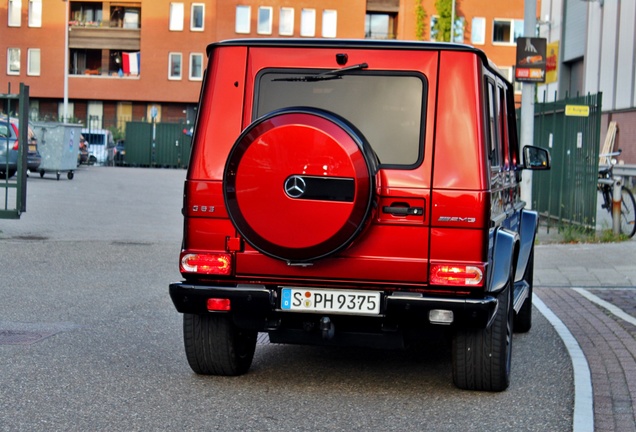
(58, 144)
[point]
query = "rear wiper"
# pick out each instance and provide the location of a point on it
(328, 75)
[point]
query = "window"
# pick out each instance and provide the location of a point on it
(197, 17)
(378, 26)
(176, 17)
(506, 30)
(388, 109)
(86, 14)
(458, 31)
(478, 31)
(264, 25)
(174, 66)
(15, 13)
(286, 21)
(33, 61)
(329, 23)
(493, 132)
(35, 13)
(308, 22)
(196, 66)
(13, 61)
(243, 17)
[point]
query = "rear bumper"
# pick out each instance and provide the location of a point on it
(258, 307)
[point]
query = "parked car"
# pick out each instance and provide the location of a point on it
(119, 153)
(9, 139)
(359, 193)
(99, 141)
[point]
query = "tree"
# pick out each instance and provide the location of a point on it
(441, 29)
(420, 24)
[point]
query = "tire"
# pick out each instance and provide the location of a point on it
(215, 346)
(283, 156)
(70, 175)
(628, 212)
(482, 357)
(523, 318)
(41, 173)
(7, 175)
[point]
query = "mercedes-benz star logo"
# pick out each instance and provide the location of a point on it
(295, 186)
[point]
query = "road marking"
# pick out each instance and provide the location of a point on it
(583, 420)
(607, 305)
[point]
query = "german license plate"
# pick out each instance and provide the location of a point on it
(333, 301)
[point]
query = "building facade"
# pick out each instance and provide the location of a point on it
(594, 46)
(145, 59)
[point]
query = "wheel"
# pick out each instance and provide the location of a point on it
(523, 318)
(283, 156)
(41, 173)
(70, 175)
(7, 174)
(482, 357)
(215, 346)
(57, 174)
(628, 212)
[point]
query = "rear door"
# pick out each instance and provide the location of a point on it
(314, 114)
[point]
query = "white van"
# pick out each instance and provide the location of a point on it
(99, 141)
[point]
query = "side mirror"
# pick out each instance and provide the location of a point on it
(536, 158)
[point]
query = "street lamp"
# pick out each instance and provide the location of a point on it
(66, 12)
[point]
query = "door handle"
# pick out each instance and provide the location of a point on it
(401, 210)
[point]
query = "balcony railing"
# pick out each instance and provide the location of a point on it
(94, 37)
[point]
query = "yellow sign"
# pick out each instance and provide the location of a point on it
(552, 65)
(577, 110)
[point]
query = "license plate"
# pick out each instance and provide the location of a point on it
(334, 301)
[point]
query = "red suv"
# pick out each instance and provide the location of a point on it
(355, 193)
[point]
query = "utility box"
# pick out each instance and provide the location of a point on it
(58, 144)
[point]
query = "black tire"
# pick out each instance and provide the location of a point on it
(628, 212)
(482, 357)
(215, 346)
(70, 175)
(41, 173)
(523, 318)
(7, 175)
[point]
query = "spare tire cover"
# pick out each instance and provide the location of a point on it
(299, 183)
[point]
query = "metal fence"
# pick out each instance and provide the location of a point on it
(157, 144)
(14, 189)
(570, 129)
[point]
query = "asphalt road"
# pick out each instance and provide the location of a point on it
(89, 339)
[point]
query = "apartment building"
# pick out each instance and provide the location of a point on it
(138, 60)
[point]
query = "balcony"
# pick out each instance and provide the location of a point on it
(95, 37)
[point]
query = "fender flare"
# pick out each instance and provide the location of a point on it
(504, 255)
(527, 234)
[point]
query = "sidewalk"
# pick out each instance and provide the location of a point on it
(605, 272)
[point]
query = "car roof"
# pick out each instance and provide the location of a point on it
(389, 44)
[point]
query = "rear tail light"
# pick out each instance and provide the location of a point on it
(219, 304)
(205, 263)
(457, 275)
(16, 145)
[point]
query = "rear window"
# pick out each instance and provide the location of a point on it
(387, 108)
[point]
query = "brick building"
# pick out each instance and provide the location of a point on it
(128, 59)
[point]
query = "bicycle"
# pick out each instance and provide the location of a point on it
(606, 187)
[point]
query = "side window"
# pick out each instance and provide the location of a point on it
(503, 130)
(511, 127)
(494, 149)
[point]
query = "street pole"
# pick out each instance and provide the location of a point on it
(66, 15)
(452, 32)
(527, 102)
